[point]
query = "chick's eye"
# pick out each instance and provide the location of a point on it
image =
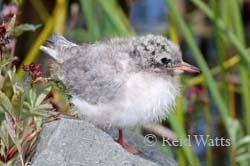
(165, 61)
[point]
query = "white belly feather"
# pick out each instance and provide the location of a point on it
(146, 98)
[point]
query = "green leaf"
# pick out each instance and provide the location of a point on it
(27, 106)
(234, 130)
(17, 99)
(7, 61)
(1, 114)
(11, 74)
(41, 113)
(25, 115)
(2, 79)
(42, 96)
(244, 141)
(9, 124)
(243, 157)
(42, 107)
(32, 97)
(25, 27)
(38, 122)
(12, 133)
(4, 136)
(41, 110)
(6, 105)
(241, 150)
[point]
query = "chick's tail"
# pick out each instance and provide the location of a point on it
(91, 112)
(55, 45)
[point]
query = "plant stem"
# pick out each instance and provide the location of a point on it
(201, 62)
(88, 9)
(245, 91)
(220, 51)
(223, 29)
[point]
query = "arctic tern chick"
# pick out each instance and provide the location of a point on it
(123, 82)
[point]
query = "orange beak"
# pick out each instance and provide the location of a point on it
(187, 67)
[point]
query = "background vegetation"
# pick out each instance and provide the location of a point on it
(213, 34)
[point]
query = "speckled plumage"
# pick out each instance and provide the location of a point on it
(122, 82)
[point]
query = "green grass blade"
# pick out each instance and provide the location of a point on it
(179, 129)
(91, 21)
(207, 116)
(223, 29)
(238, 26)
(116, 17)
(184, 154)
(40, 9)
(220, 50)
(200, 61)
